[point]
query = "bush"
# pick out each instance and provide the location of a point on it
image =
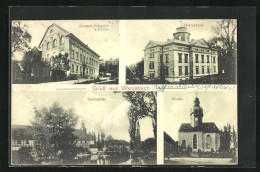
(23, 156)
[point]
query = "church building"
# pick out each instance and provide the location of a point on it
(199, 135)
(180, 58)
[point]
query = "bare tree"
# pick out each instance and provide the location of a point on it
(225, 42)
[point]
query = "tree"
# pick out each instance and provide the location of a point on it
(226, 138)
(59, 65)
(144, 105)
(225, 42)
(32, 63)
(53, 134)
(140, 69)
(21, 38)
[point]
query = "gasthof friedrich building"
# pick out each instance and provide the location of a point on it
(180, 58)
(83, 60)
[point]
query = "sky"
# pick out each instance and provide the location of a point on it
(105, 43)
(140, 32)
(218, 106)
(109, 115)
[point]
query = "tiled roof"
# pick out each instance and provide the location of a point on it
(23, 132)
(209, 127)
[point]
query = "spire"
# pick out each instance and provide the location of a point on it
(83, 128)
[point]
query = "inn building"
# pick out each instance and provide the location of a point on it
(83, 60)
(180, 58)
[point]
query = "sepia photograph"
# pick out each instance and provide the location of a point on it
(200, 128)
(198, 51)
(83, 128)
(65, 51)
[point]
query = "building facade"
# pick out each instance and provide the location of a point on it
(83, 60)
(198, 135)
(180, 58)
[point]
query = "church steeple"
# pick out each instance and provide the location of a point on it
(83, 128)
(196, 113)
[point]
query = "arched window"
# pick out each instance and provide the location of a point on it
(54, 43)
(48, 45)
(194, 141)
(208, 142)
(62, 40)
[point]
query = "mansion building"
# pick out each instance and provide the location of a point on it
(83, 60)
(180, 58)
(199, 135)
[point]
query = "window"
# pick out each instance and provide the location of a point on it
(202, 58)
(166, 70)
(72, 54)
(186, 70)
(214, 59)
(54, 43)
(208, 69)
(48, 45)
(194, 141)
(197, 69)
(62, 40)
(151, 75)
(197, 58)
(208, 59)
(27, 142)
(77, 68)
(186, 58)
(183, 143)
(51, 30)
(180, 70)
(19, 142)
(77, 55)
(166, 58)
(208, 142)
(202, 70)
(80, 58)
(180, 58)
(151, 65)
(161, 58)
(84, 59)
(151, 55)
(214, 69)
(72, 68)
(80, 69)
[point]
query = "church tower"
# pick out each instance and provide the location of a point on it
(196, 114)
(83, 128)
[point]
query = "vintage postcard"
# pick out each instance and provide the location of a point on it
(123, 92)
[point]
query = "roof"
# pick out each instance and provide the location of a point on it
(70, 35)
(209, 127)
(83, 136)
(23, 132)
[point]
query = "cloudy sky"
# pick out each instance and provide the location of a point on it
(105, 43)
(109, 115)
(140, 32)
(218, 106)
